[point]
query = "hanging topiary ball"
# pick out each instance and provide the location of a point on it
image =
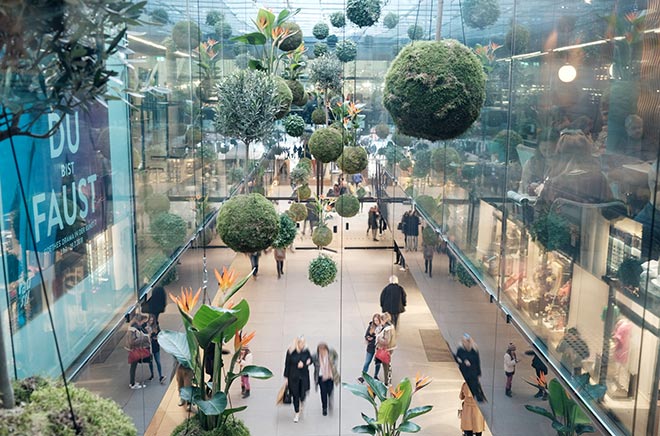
(353, 160)
(248, 223)
(521, 43)
(332, 41)
(322, 236)
(405, 164)
(298, 211)
(318, 116)
(338, 19)
(320, 31)
(347, 205)
(382, 131)
(287, 232)
(435, 89)
(298, 94)
(284, 96)
(304, 192)
(415, 32)
(346, 50)
(320, 48)
(186, 35)
(363, 13)
(294, 39)
(294, 125)
(445, 160)
(326, 144)
(391, 20)
(480, 13)
(322, 271)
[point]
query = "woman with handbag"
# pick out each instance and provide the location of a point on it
(138, 347)
(296, 373)
(472, 421)
(385, 345)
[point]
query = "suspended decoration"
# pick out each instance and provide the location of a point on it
(248, 223)
(322, 236)
(320, 31)
(326, 144)
(346, 50)
(415, 32)
(294, 125)
(347, 205)
(480, 13)
(363, 13)
(338, 19)
(322, 271)
(391, 20)
(353, 160)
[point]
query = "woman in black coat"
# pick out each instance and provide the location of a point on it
(296, 373)
(469, 364)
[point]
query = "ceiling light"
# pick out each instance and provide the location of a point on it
(567, 73)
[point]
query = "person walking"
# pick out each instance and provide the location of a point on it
(138, 345)
(370, 337)
(280, 256)
(385, 345)
(541, 372)
(429, 252)
(510, 361)
(403, 226)
(472, 421)
(154, 330)
(326, 375)
(245, 359)
(296, 374)
(373, 221)
(467, 357)
(393, 299)
(156, 304)
(254, 261)
(400, 260)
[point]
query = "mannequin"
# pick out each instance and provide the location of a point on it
(650, 234)
(620, 352)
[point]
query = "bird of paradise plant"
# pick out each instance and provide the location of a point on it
(486, 54)
(391, 406)
(206, 330)
(348, 114)
(294, 63)
(626, 34)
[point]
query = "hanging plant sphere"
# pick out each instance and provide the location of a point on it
(298, 211)
(322, 236)
(300, 174)
(304, 192)
(347, 205)
(168, 231)
(306, 162)
(318, 116)
(298, 94)
(480, 13)
(320, 48)
(287, 232)
(326, 144)
(294, 125)
(435, 89)
(346, 50)
(353, 160)
(294, 39)
(320, 31)
(405, 164)
(338, 19)
(186, 35)
(464, 276)
(445, 160)
(391, 20)
(284, 96)
(248, 223)
(429, 236)
(322, 271)
(382, 131)
(332, 40)
(363, 13)
(521, 42)
(415, 32)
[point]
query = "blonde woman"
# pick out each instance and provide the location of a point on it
(385, 345)
(472, 421)
(296, 373)
(325, 373)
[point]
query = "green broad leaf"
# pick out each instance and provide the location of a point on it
(176, 344)
(258, 372)
(406, 387)
(242, 314)
(214, 406)
(376, 385)
(578, 416)
(228, 412)
(581, 429)
(237, 287)
(540, 411)
(416, 411)
(389, 411)
(364, 429)
(211, 323)
(360, 391)
(256, 64)
(369, 420)
(561, 428)
(557, 397)
(116, 40)
(190, 394)
(409, 427)
(254, 38)
(266, 16)
(281, 18)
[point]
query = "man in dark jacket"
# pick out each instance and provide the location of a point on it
(393, 299)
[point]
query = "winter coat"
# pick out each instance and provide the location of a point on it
(332, 354)
(297, 377)
(393, 299)
(412, 225)
(370, 337)
(472, 356)
(429, 251)
(471, 417)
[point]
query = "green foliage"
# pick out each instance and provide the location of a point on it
(401, 140)
(322, 271)
(186, 35)
(346, 50)
(422, 163)
(235, 175)
(160, 16)
(213, 17)
(156, 204)
(154, 264)
(429, 236)
(300, 174)
(405, 164)
(464, 276)
(207, 154)
(318, 116)
(552, 231)
(383, 131)
(320, 31)
(498, 145)
(392, 153)
(415, 32)
(24, 388)
(298, 211)
(284, 97)
(304, 192)
(338, 19)
(242, 61)
(521, 42)
(629, 272)
(248, 223)
(480, 13)
(332, 40)
(347, 205)
(426, 203)
(55, 58)
(298, 92)
(223, 29)
(445, 160)
(294, 125)
(361, 192)
(435, 89)
(292, 42)
(363, 13)
(353, 160)
(326, 72)
(191, 427)
(391, 20)
(287, 232)
(326, 144)
(168, 231)
(322, 236)
(320, 49)
(247, 104)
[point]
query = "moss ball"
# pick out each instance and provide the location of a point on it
(338, 19)
(186, 35)
(445, 159)
(391, 20)
(322, 236)
(320, 48)
(322, 271)
(294, 125)
(320, 31)
(405, 164)
(363, 13)
(298, 211)
(435, 89)
(426, 203)
(415, 32)
(347, 205)
(295, 38)
(326, 144)
(346, 50)
(299, 96)
(353, 160)
(284, 96)
(318, 116)
(304, 192)
(480, 13)
(382, 131)
(156, 204)
(248, 223)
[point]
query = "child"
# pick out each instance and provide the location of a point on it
(244, 360)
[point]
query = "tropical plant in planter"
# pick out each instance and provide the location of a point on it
(168, 231)
(363, 13)
(320, 31)
(347, 205)
(322, 271)
(353, 160)
(298, 211)
(338, 19)
(326, 144)
(294, 125)
(419, 105)
(211, 327)
(248, 223)
(392, 411)
(480, 13)
(391, 20)
(295, 64)
(346, 50)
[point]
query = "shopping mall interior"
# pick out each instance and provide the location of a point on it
(228, 185)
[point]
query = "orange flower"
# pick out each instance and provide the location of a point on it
(631, 16)
(241, 341)
(226, 279)
(279, 32)
(353, 110)
(186, 301)
(494, 46)
(421, 381)
(228, 305)
(541, 380)
(396, 394)
(262, 23)
(372, 394)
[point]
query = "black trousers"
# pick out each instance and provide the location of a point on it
(326, 388)
(428, 265)
(395, 319)
(297, 396)
(280, 267)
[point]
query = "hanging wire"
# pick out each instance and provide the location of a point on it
(42, 280)
(460, 9)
